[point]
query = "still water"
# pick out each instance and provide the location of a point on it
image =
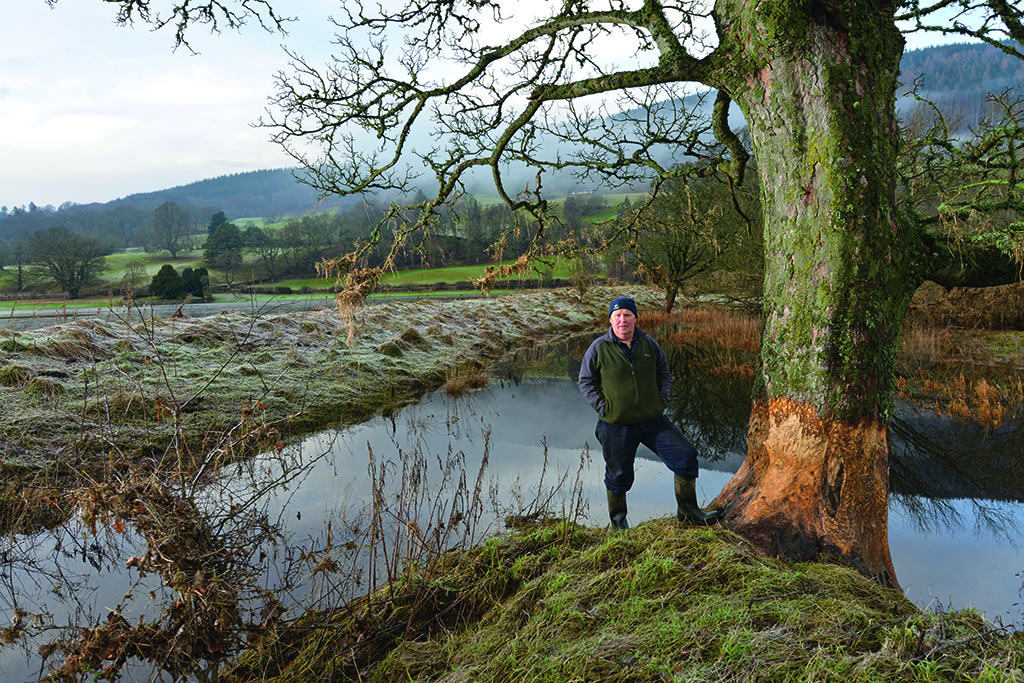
(948, 552)
(520, 444)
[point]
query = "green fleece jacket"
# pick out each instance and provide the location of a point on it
(626, 390)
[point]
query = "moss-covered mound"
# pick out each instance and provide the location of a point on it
(661, 602)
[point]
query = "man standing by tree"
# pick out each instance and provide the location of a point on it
(625, 378)
(816, 83)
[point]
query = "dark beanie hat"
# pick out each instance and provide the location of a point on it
(622, 302)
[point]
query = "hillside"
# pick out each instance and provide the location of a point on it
(256, 193)
(966, 71)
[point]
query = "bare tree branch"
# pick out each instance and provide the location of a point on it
(182, 15)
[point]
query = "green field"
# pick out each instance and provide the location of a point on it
(429, 276)
(149, 263)
(117, 265)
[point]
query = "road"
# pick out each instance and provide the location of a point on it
(33, 319)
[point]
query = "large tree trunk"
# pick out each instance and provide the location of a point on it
(821, 112)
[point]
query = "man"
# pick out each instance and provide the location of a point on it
(625, 378)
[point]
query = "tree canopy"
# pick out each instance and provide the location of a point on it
(70, 261)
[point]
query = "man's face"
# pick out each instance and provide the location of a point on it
(623, 321)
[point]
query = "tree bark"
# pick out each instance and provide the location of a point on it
(818, 94)
(670, 297)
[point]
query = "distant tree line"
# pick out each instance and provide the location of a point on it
(116, 229)
(294, 247)
(66, 248)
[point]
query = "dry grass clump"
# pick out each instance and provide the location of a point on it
(15, 375)
(70, 345)
(971, 400)
(410, 338)
(45, 387)
(391, 349)
(728, 341)
(662, 602)
(460, 385)
(957, 372)
(125, 405)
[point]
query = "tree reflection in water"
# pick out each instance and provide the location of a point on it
(932, 459)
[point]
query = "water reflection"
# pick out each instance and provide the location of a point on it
(314, 525)
(956, 485)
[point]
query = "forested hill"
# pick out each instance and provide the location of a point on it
(256, 193)
(966, 71)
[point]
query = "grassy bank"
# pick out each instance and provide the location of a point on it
(661, 602)
(90, 390)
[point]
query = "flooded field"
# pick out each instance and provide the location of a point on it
(314, 525)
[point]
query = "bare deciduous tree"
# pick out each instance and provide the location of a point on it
(816, 83)
(69, 260)
(171, 228)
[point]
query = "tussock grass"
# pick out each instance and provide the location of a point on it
(662, 602)
(45, 387)
(968, 374)
(729, 339)
(14, 375)
(120, 406)
(708, 326)
(463, 378)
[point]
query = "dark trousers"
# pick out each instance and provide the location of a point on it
(619, 444)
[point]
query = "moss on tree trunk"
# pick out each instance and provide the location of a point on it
(821, 110)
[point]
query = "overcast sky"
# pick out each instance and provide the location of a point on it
(90, 111)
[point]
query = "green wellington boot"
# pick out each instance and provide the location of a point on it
(686, 500)
(617, 510)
